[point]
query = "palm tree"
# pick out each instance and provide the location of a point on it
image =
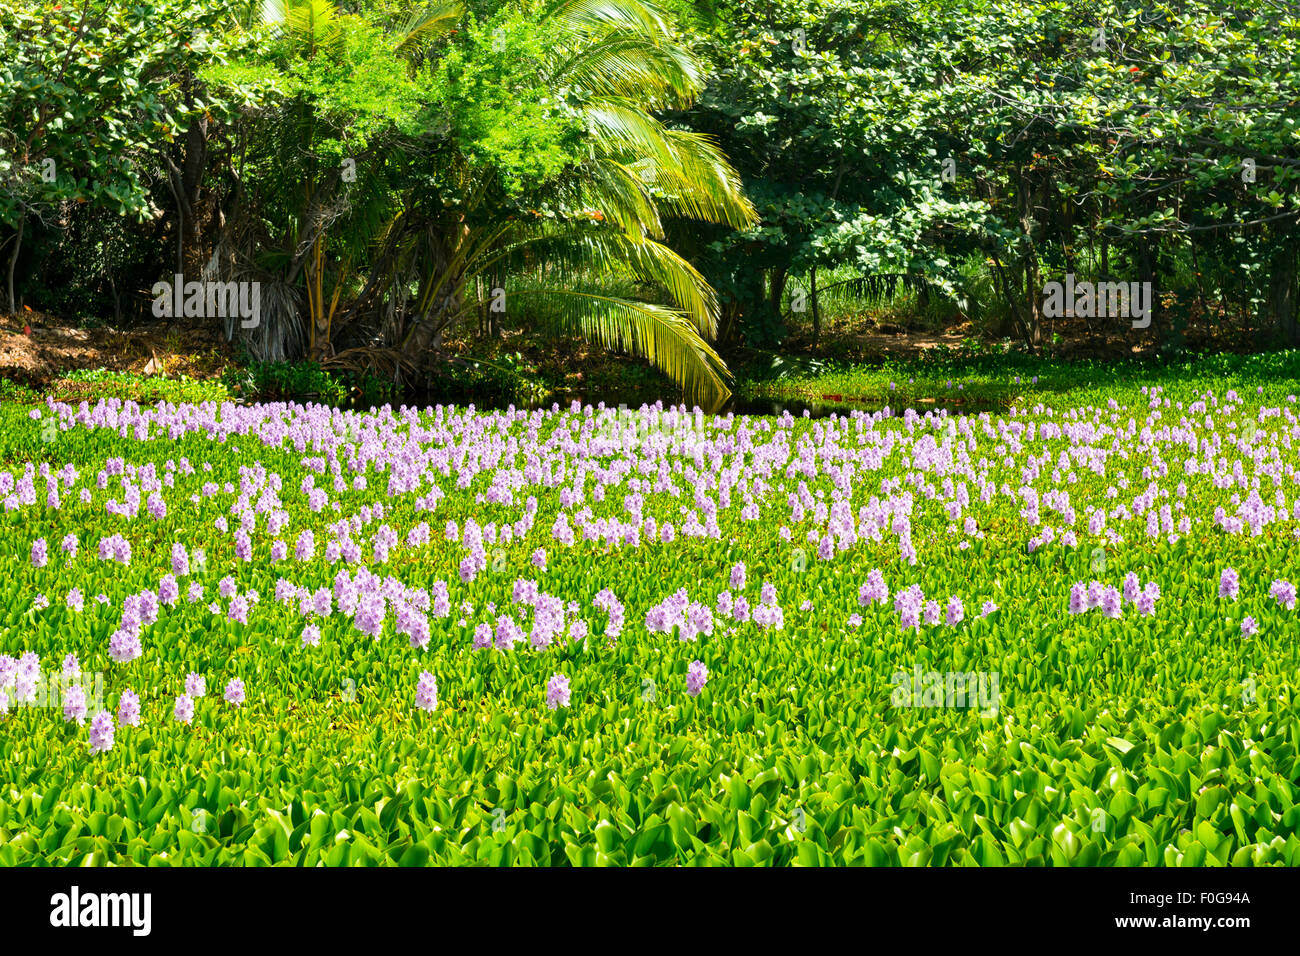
(436, 219)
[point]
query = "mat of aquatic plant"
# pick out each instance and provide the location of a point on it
(1062, 634)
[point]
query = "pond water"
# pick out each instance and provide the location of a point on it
(738, 405)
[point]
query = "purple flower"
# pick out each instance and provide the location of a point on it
(1078, 598)
(124, 646)
(168, 590)
(101, 732)
(482, 636)
(184, 710)
(874, 589)
(371, 614)
(128, 709)
(696, 677)
(195, 685)
(956, 611)
(71, 668)
(1248, 626)
(1284, 593)
(507, 632)
(699, 620)
(74, 704)
(69, 545)
(40, 554)
(426, 692)
(538, 559)
(557, 691)
(1229, 587)
(608, 602)
(932, 613)
(147, 602)
(987, 608)
(180, 560)
(1112, 603)
(234, 692)
(724, 604)
(239, 610)
(855, 620)
(310, 635)
(74, 599)
(285, 591)
(413, 624)
(738, 576)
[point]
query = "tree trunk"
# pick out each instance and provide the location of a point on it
(816, 311)
(1280, 305)
(191, 184)
(1029, 226)
(427, 328)
(730, 322)
(13, 262)
(1146, 256)
(777, 289)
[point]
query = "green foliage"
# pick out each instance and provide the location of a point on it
(271, 381)
(1121, 158)
(113, 97)
(504, 378)
(1115, 742)
(91, 385)
(307, 381)
(501, 118)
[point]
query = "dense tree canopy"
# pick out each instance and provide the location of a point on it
(660, 178)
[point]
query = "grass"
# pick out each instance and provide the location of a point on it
(989, 381)
(90, 385)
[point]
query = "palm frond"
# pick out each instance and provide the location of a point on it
(426, 25)
(572, 252)
(663, 336)
(696, 178)
(592, 17)
(626, 64)
(619, 192)
(311, 26)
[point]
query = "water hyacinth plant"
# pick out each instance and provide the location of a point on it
(437, 583)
